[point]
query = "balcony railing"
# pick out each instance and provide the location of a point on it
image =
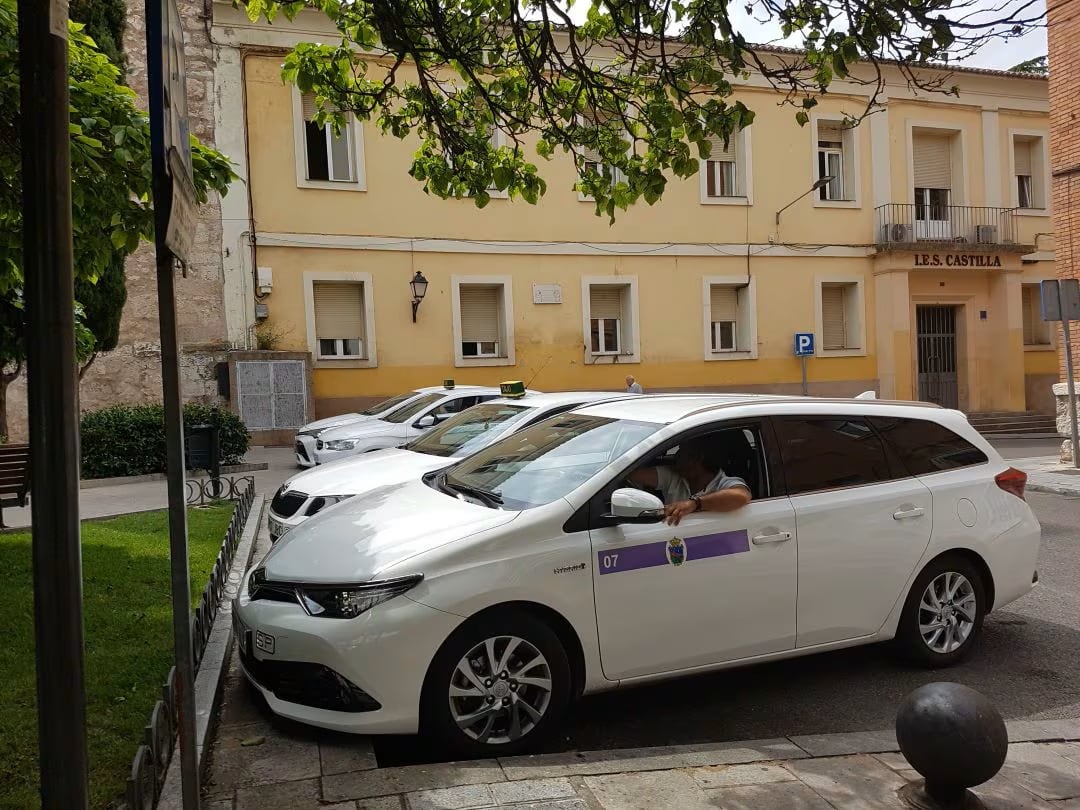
(906, 226)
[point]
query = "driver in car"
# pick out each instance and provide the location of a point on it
(694, 483)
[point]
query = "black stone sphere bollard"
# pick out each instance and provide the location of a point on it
(955, 738)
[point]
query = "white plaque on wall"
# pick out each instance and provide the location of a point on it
(547, 293)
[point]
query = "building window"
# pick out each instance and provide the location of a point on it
(724, 318)
(483, 321)
(339, 320)
(325, 159)
(1036, 330)
(835, 158)
(932, 164)
(841, 316)
(1029, 171)
(725, 173)
(610, 317)
(730, 325)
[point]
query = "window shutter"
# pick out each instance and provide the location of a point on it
(724, 302)
(933, 161)
(833, 317)
(310, 107)
(1022, 156)
(830, 132)
(479, 314)
(339, 310)
(605, 302)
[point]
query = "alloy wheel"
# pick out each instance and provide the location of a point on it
(947, 612)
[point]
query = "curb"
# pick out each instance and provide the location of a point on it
(226, 469)
(211, 675)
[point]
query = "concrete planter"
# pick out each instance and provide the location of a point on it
(1061, 398)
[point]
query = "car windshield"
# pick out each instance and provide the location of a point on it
(546, 461)
(388, 404)
(466, 432)
(407, 412)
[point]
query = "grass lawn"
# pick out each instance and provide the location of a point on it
(128, 629)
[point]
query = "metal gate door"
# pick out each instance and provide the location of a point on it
(936, 346)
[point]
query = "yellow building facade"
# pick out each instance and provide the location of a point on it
(916, 268)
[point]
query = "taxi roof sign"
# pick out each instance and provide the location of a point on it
(514, 389)
(448, 384)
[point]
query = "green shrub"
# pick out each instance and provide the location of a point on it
(130, 439)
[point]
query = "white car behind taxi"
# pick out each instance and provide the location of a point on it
(475, 602)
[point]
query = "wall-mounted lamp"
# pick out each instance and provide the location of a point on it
(418, 285)
(824, 181)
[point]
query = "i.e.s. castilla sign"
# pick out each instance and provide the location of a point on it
(987, 260)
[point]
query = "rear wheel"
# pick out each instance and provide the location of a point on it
(497, 687)
(944, 613)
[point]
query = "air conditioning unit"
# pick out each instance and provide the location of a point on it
(986, 234)
(897, 232)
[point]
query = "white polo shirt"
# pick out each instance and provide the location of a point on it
(676, 488)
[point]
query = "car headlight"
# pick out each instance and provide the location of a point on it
(323, 501)
(349, 601)
(341, 444)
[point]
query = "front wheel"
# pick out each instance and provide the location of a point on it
(944, 612)
(498, 686)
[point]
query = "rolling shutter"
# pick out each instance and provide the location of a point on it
(307, 100)
(830, 132)
(724, 302)
(933, 161)
(339, 310)
(479, 314)
(718, 152)
(1022, 156)
(833, 317)
(605, 302)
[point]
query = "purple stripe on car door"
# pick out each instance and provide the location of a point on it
(651, 555)
(717, 545)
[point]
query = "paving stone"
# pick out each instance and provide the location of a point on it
(855, 742)
(1043, 771)
(858, 782)
(722, 776)
(242, 704)
(896, 761)
(777, 796)
(591, 763)
(454, 798)
(531, 790)
(1036, 730)
(555, 804)
(381, 803)
(1001, 793)
(302, 795)
(1071, 751)
(282, 756)
(408, 779)
(219, 804)
(647, 791)
(341, 753)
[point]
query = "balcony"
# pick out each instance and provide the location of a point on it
(906, 226)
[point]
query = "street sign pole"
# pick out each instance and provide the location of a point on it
(53, 398)
(1060, 300)
(804, 349)
(805, 387)
(1071, 386)
(173, 226)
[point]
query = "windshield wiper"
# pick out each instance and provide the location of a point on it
(491, 498)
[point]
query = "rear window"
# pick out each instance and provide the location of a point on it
(926, 447)
(830, 452)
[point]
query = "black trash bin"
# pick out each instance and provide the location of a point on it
(203, 449)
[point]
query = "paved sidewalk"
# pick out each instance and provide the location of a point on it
(146, 496)
(1048, 474)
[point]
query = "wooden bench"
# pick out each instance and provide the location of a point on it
(14, 476)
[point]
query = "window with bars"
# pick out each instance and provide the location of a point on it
(329, 155)
(1036, 330)
(481, 320)
(840, 316)
(724, 317)
(833, 144)
(339, 320)
(721, 168)
(608, 305)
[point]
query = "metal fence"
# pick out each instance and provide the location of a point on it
(913, 226)
(159, 736)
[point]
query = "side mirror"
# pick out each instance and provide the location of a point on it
(425, 421)
(631, 505)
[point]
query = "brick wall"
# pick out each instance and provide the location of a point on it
(1064, 34)
(132, 372)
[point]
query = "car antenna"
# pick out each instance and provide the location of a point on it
(537, 374)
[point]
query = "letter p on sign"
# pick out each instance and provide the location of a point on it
(804, 344)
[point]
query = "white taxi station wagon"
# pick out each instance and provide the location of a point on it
(473, 603)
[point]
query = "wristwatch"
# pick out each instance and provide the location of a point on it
(697, 503)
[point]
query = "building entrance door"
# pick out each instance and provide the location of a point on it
(936, 347)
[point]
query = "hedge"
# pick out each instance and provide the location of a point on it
(130, 439)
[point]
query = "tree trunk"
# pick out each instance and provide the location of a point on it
(6, 379)
(84, 368)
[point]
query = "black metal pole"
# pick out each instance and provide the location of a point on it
(174, 415)
(53, 403)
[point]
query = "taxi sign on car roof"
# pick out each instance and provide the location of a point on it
(448, 384)
(514, 389)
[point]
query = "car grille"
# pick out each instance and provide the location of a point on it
(302, 451)
(308, 684)
(286, 504)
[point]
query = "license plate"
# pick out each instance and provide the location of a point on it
(277, 528)
(265, 642)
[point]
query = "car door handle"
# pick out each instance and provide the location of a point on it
(778, 537)
(913, 512)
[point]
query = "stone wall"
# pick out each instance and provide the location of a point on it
(132, 372)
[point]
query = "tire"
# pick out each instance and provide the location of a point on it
(494, 731)
(949, 639)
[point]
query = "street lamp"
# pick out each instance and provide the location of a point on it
(824, 181)
(418, 285)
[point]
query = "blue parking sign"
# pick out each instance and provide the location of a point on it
(804, 344)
